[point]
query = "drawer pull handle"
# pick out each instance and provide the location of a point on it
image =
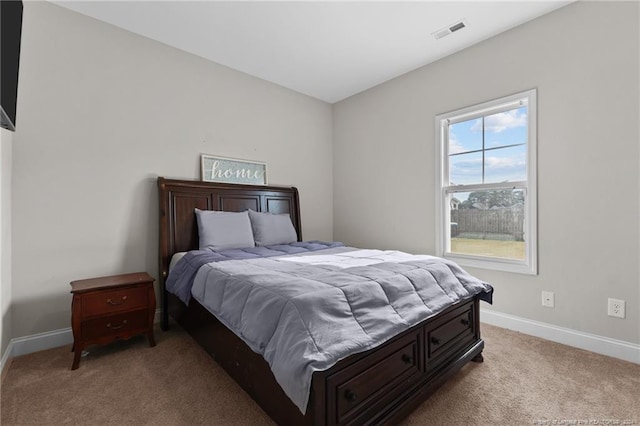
(464, 321)
(435, 340)
(407, 359)
(116, 327)
(112, 303)
(350, 396)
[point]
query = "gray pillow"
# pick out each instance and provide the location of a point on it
(224, 230)
(270, 229)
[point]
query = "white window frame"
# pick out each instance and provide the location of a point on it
(443, 217)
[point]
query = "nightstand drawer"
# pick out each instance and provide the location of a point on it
(111, 301)
(116, 325)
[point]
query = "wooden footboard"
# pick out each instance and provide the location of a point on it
(381, 385)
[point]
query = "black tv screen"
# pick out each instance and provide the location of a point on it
(10, 33)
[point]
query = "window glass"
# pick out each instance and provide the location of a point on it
(488, 223)
(463, 137)
(491, 148)
(505, 164)
(465, 168)
(486, 204)
(506, 128)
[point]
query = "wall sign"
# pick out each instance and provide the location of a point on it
(229, 170)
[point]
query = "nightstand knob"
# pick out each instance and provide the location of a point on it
(464, 321)
(111, 302)
(435, 340)
(116, 327)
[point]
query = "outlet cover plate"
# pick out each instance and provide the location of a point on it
(548, 299)
(616, 308)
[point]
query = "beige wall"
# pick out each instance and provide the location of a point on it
(6, 143)
(102, 113)
(583, 59)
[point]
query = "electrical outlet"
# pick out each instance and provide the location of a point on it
(616, 308)
(548, 299)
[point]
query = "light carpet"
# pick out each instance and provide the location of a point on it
(524, 380)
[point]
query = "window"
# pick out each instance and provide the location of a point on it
(486, 177)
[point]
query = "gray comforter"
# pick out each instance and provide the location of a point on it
(303, 313)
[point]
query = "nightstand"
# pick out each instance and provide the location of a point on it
(109, 308)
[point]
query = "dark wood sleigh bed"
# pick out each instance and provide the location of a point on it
(379, 386)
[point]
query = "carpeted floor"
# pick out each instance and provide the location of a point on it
(524, 380)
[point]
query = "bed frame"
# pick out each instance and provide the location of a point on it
(381, 385)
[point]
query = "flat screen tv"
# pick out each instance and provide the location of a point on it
(10, 33)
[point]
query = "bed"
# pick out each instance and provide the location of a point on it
(380, 385)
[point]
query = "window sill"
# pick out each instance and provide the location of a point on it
(495, 264)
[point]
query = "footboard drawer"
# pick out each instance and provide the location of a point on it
(452, 333)
(374, 380)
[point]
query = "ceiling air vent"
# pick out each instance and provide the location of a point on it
(449, 29)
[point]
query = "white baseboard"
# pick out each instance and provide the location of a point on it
(599, 344)
(42, 341)
(5, 362)
(591, 342)
(36, 342)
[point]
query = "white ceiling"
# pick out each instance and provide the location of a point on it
(329, 50)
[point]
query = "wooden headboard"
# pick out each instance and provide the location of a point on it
(179, 198)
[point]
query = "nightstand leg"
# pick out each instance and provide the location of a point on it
(76, 358)
(152, 340)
